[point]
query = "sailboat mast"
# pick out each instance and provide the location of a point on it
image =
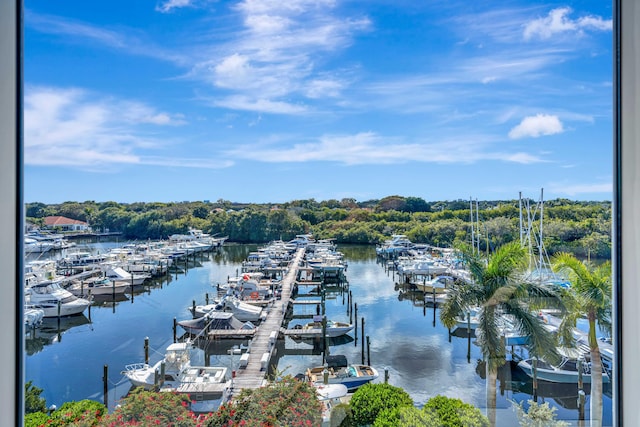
(473, 238)
(478, 225)
(541, 218)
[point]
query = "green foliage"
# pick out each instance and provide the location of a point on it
(371, 399)
(538, 415)
(451, 412)
(145, 408)
(583, 228)
(35, 419)
(406, 416)
(82, 413)
(32, 400)
(285, 402)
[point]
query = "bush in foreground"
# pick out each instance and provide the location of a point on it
(285, 402)
(371, 399)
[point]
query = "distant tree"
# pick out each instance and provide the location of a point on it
(416, 204)
(395, 203)
(201, 212)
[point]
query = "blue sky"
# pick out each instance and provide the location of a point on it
(271, 101)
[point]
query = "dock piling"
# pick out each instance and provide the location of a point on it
(362, 344)
(105, 384)
(146, 350)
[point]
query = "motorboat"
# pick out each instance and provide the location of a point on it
(333, 329)
(119, 274)
(54, 300)
(337, 371)
(176, 358)
(98, 286)
(204, 381)
(214, 320)
(567, 371)
(241, 310)
(438, 284)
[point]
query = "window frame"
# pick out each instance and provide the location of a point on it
(626, 209)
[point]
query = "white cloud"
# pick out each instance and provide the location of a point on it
(535, 126)
(371, 148)
(574, 190)
(558, 21)
(248, 103)
(169, 5)
(76, 128)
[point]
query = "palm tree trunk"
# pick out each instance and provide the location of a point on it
(492, 376)
(596, 375)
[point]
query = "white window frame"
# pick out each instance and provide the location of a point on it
(626, 208)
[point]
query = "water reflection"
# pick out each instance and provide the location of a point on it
(51, 331)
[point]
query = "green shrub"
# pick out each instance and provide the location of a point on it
(286, 402)
(146, 408)
(81, 413)
(408, 416)
(371, 399)
(35, 419)
(451, 412)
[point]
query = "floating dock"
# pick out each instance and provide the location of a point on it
(255, 364)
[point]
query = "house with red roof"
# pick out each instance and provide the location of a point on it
(65, 224)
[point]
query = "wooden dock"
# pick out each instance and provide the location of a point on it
(264, 339)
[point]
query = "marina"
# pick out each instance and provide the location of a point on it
(400, 336)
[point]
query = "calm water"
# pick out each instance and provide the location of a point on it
(405, 337)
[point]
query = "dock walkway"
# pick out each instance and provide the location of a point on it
(263, 342)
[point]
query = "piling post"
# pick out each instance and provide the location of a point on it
(175, 329)
(162, 370)
(113, 290)
(105, 384)
(362, 344)
(386, 375)
(82, 288)
(534, 383)
(581, 404)
(146, 350)
(355, 319)
(468, 337)
(368, 351)
(580, 381)
(206, 298)
(193, 308)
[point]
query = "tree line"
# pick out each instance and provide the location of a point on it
(579, 227)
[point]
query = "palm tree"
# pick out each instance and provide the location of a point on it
(499, 287)
(592, 287)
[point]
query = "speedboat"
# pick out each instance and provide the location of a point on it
(351, 376)
(214, 320)
(439, 284)
(565, 372)
(54, 300)
(98, 286)
(334, 329)
(32, 316)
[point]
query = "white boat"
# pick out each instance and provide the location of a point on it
(230, 304)
(98, 286)
(204, 381)
(351, 376)
(334, 329)
(214, 320)
(440, 284)
(54, 300)
(119, 274)
(241, 310)
(176, 358)
(565, 372)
